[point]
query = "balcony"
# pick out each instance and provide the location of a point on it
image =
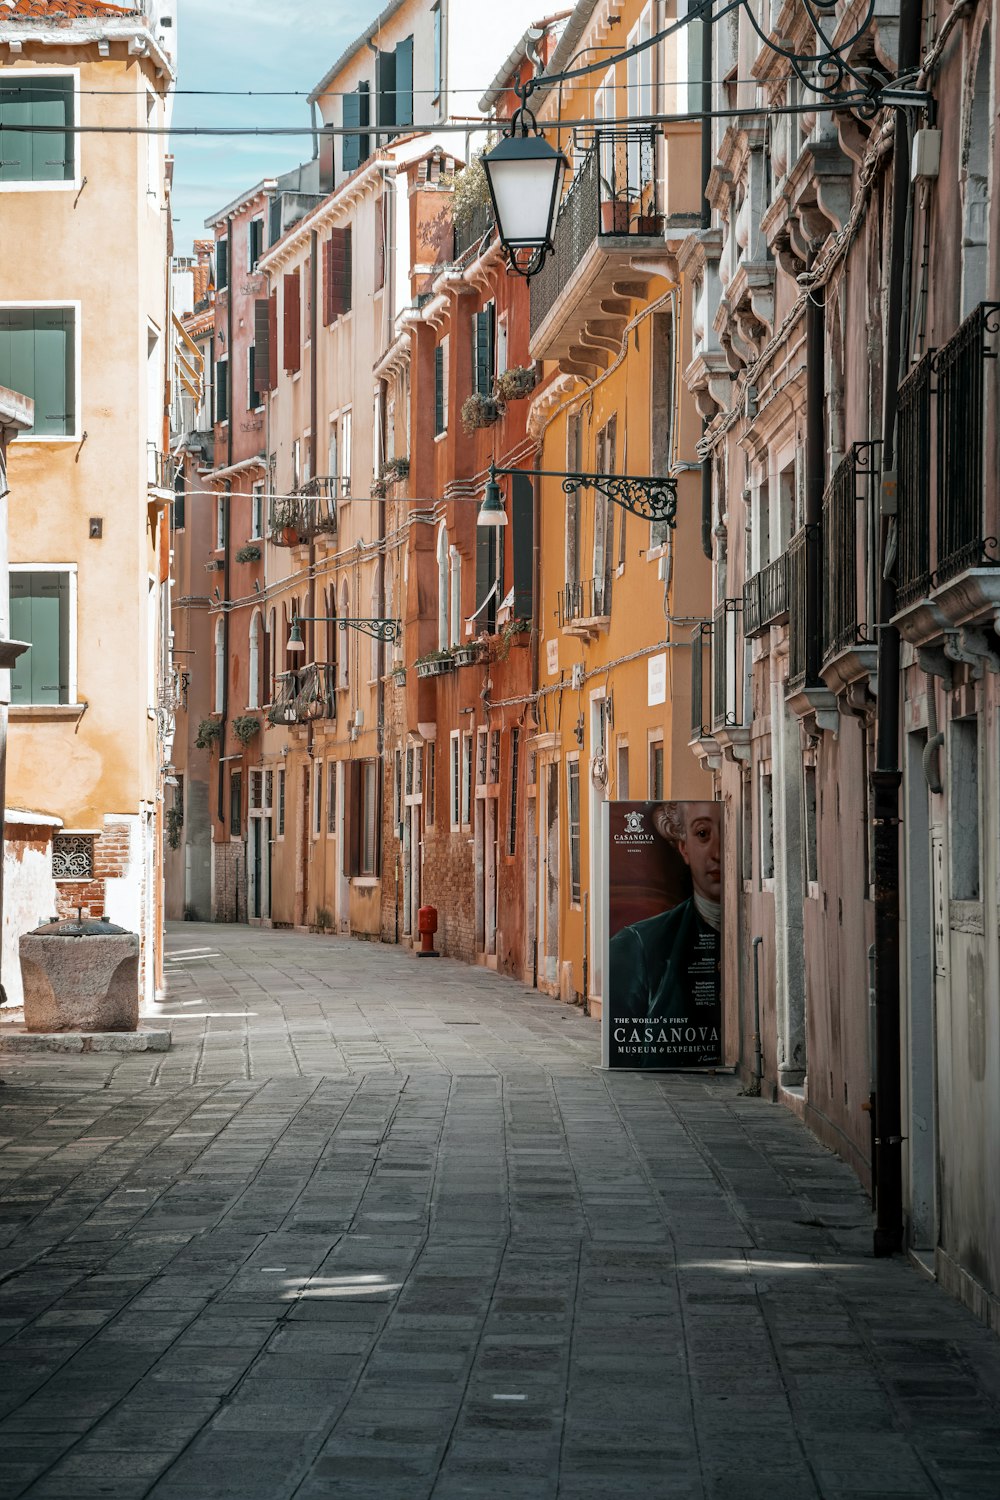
(161, 469)
(473, 232)
(765, 597)
(611, 214)
(806, 693)
(729, 674)
(305, 696)
(702, 742)
(850, 587)
(297, 519)
(584, 607)
(949, 571)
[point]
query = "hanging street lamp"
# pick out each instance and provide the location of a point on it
(652, 496)
(378, 629)
(525, 176)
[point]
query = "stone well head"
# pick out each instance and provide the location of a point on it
(80, 975)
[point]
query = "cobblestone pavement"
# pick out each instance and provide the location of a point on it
(382, 1230)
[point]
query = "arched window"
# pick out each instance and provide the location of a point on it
(976, 208)
(442, 562)
(253, 676)
(344, 655)
(220, 665)
(456, 597)
(272, 651)
(376, 644)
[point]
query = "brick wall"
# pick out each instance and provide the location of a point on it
(229, 881)
(112, 850)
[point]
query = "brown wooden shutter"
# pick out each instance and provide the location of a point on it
(380, 209)
(272, 341)
(353, 817)
(328, 313)
(293, 322)
(341, 271)
(262, 345)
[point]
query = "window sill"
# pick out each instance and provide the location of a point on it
(32, 713)
(25, 185)
(439, 437)
(366, 882)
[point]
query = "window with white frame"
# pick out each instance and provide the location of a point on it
(442, 567)
(573, 805)
(255, 242)
(317, 798)
(333, 452)
(639, 69)
(346, 436)
(441, 387)
(466, 778)
(41, 151)
(220, 665)
(455, 558)
(344, 639)
(257, 510)
(253, 674)
(43, 611)
(331, 797)
(456, 781)
(38, 357)
(220, 522)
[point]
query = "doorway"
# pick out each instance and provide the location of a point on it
(922, 964)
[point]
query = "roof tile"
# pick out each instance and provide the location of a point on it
(64, 10)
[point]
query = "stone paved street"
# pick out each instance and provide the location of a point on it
(382, 1230)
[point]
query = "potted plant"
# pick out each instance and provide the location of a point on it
(209, 733)
(175, 822)
(435, 664)
(650, 224)
(250, 553)
(479, 411)
(245, 726)
(615, 216)
(471, 654)
(515, 383)
(398, 675)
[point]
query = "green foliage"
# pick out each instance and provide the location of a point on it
(471, 191)
(209, 732)
(175, 822)
(248, 554)
(245, 726)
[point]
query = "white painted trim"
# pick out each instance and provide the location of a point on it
(72, 569)
(73, 184)
(77, 307)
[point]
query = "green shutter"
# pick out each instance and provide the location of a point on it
(39, 612)
(486, 577)
(15, 144)
(522, 514)
(37, 359)
(438, 389)
(221, 264)
(221, 390)
(352, 119)
(404, 82)
(385, 83)
(484, 350)
(24, 155)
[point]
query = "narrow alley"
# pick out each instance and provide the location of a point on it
(382, 1230)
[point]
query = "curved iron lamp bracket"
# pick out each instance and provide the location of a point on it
(827, 70)
(651, 496)
(379, 630)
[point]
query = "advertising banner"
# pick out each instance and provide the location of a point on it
(662, 1003)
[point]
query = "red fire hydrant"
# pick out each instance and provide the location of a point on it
(427, 926)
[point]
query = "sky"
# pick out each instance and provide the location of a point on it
(248, 44)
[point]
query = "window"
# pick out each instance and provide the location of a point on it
(369, 814)
(338, 260)
(501, 359)
(573, 775)
(430, 786)
(42, 611)
(515, 746)
(292, 324)
(484, 349)
(766, 810)
(281, 802)
(73, 856)
(257, 509)
(177, 508)
(344, 640)
(236, 804)
(255, 242)
(621, 780)
(331, 797)
(397, 790)
(441, 387)
(442, 567)
(963, 791)
(222, 388)
(455, 558)
(746, 842)
(37, 99)
(661, 409)
(345, 454)
(438, 52)
(220, 522)
(809, 824)
(220, 665)
(574, 464)
(221, 264)
(466, 777)
(604, 523)
(317, 798)
(656, 771)
(38, 358)
(253, 673)
(394, 82)
(255, 396)
(640, 97)
(456, 781)
(356, 118)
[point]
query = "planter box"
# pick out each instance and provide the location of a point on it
(471, 656)
(436, 668)
(399, 677)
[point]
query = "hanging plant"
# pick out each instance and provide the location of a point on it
(479, 411)
(245, 726)
(515, 383)
(175, 822)
(248, 554)
(209, 731)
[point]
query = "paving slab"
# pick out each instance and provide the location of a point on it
(372, 1229)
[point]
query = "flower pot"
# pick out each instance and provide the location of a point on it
(650, 224)
(614, 218)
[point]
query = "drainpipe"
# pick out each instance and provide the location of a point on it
(758, 1051)
(887, 1167)
(226, 530)
(706, 223)
(313, 419)
(706, 500)
(815, 402)
(536, 644)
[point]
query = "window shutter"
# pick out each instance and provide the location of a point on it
(293, 320)
(222, 390)
(351, 151)
(341, 271)
(221, 264)
(40, 614)
(404, 82)
(385, 82)
(353, 817)
(438, 389)
(484, 351)
(272, 341)
(30, 157)
(262, 344)
(485, 576)
(328, 282)
(523, 513)
(17, 147)
(381, 207)
(37, 358)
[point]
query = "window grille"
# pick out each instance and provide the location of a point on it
(73, 856)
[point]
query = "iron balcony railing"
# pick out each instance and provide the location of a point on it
(765, 597)
(473, 230)
(848, 577)
(614, 193)
(701, 672)
(311, 511)
(805, 607)
(303, 696)
(914, 484)
(161, 468)
(728, 665)
(587, 599)
(960, 369)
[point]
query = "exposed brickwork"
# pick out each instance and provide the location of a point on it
(112, 852)
(229, 883)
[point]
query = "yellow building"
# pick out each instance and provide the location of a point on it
(619, 594)
(84, 333)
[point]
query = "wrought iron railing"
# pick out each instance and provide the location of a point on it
(161, 468)
(587, 599)
(728, 664)
(302, 696)
(960, 370)
(701, 645)
(614, 192)
(765, 597)
(311, 511)
(805, 607)
(848, 581)
(473, 230)
(913, 447)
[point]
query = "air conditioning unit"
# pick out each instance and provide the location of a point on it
(576, 680)
(750, 402)
(358, 718)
